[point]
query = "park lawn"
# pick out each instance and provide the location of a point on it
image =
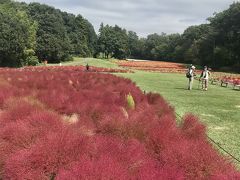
(218, 108)
(91, 62)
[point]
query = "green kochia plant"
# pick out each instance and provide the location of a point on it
(30, 58)
(130, 101)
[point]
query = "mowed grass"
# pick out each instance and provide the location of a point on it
(91, 62)
(218, 108)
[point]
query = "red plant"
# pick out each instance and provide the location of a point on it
(159, 66)
(64, 123)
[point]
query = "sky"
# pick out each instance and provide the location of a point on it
(142, 16)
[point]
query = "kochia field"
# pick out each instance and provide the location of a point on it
(63, 123)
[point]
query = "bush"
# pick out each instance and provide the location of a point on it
(130, 101)
(32, 61)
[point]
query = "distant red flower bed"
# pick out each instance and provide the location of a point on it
(158, 66)
(233, 79)
(76, 68)
(66, 124)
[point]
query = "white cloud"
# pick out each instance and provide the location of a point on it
(143, 16)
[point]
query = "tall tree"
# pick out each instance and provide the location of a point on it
(53, 43)
(81, 34)
(227, 35)
(133, 41)
(17, 35)
(113, 42)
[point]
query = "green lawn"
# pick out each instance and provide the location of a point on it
(218, 108)
(91, 62)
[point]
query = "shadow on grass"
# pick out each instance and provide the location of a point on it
(186, 89)
(236, 89)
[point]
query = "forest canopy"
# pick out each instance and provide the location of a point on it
(35, 30)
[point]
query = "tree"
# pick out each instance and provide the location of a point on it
(81, 34)
(113, 42)
(53, 43)
(133, 41)
(18, 35)
(227, 36)
(121, 50)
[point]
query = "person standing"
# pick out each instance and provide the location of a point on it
(87, 67)
(190, 76)
(205, 77)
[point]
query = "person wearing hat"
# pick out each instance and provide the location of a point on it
(205, 77)
(190, 76)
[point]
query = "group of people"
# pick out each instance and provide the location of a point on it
(204, 77)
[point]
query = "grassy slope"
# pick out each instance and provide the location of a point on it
(218, 108)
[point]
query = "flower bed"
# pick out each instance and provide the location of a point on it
(155, 66)
(76, 68)
(61, 123)
(226, 79)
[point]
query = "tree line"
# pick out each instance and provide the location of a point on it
(33, 32)
(216, 44)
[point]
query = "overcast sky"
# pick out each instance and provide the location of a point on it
(142, 16)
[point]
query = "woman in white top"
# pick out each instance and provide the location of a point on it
(190, 76)
(205, 77)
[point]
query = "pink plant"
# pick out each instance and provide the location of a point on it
(64, 123)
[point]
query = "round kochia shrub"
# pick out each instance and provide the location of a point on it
(130, 101)
(61, 123)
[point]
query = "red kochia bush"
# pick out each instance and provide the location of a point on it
(22, 125)
(62, 123)
(44, 159)
(115, 159)
(192, 128)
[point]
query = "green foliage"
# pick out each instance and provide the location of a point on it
(130, 101)
(56, 36)
(17, 32)
(61, 34)
(226, 34)
(81, 34)
(215, 44)
(113, 42)
(52, 40)
(52, 34)
(30, 58)
(32, 61)
(155, 46)
(133, 44)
